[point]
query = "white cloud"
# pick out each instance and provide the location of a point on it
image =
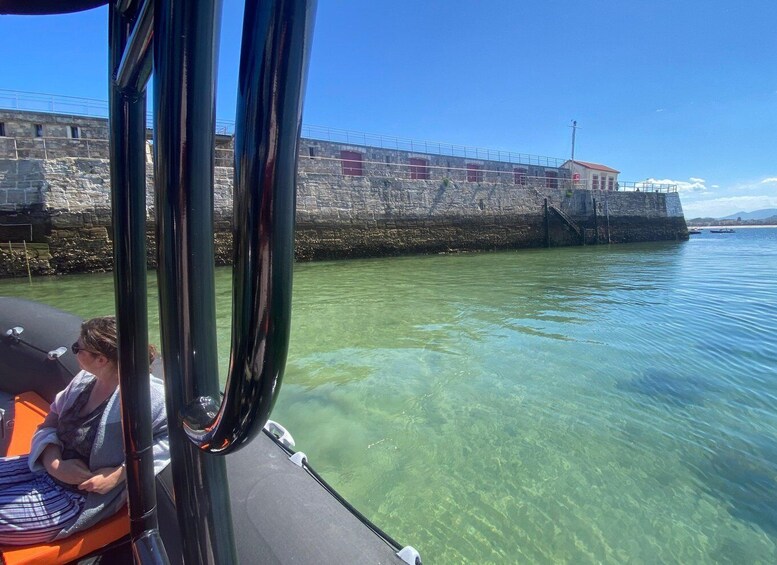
(717, 207)
(702, 200)
(764, 186)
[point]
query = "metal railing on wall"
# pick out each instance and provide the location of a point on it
(76, 106)
(327, 166)
(49, 103)
(350, 137)
(56, 147)
(333, 166)
(37, 102)
(647, 186)
(52, 147)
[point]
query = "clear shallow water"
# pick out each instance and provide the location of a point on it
(581, 405)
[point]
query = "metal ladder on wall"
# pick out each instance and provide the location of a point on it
(567, 220)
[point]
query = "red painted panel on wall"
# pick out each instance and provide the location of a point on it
(352, 163)
(419, 168)
(474, 172)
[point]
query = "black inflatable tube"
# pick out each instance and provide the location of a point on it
(24, 364)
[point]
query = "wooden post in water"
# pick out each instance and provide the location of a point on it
(10, 258)
(547, 225)
(27, 259)
(596, 224)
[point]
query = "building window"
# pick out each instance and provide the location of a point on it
(610, 183)
(474, 173)
(2, 129)
(352, 163)
(75, 132)
(312, 152)
(38, 130)
(519, 175)
(388, 160)
(595, 182)
(551, 179)
(419, 169)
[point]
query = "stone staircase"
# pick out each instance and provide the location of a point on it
(567, 220)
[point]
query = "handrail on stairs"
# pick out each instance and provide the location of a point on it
(567, 220)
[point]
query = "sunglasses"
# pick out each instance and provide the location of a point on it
(75, 348)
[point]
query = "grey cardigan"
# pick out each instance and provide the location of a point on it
(107, 450)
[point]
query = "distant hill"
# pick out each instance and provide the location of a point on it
(727, 221)
(755, 215)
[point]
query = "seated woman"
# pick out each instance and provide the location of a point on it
(74, 475)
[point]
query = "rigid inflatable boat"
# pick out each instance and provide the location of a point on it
(234, 492)
(282, 510)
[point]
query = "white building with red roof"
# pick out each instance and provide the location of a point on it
(592, 175)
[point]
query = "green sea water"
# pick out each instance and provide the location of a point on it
(610, 404)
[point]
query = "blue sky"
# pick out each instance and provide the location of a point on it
(677, 91)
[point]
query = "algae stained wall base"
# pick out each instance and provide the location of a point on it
(406, 237)
(414, 236)
(80, 242)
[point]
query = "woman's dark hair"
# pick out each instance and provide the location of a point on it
(99, 336)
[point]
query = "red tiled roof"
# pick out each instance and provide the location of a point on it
(596, 166)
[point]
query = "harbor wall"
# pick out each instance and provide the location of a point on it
(55, 196)
(373, 215)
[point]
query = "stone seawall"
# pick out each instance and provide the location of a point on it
(373, 216)
(64, 203)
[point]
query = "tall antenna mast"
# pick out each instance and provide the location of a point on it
(574, 130)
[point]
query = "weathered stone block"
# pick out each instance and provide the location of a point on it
(67, 220)
(15, 196)
(95, 233)
(35, 195)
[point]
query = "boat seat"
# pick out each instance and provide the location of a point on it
(29, 412)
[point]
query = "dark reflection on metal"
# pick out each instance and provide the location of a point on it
(185, 41)
(125, 6)
(128, 193)
(149, 549)
(135, 67)
(37, 7)
(274, 58)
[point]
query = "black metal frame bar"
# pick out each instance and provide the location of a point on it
(274, 59)
(128, 193)
(134, 70)
(185, 40)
